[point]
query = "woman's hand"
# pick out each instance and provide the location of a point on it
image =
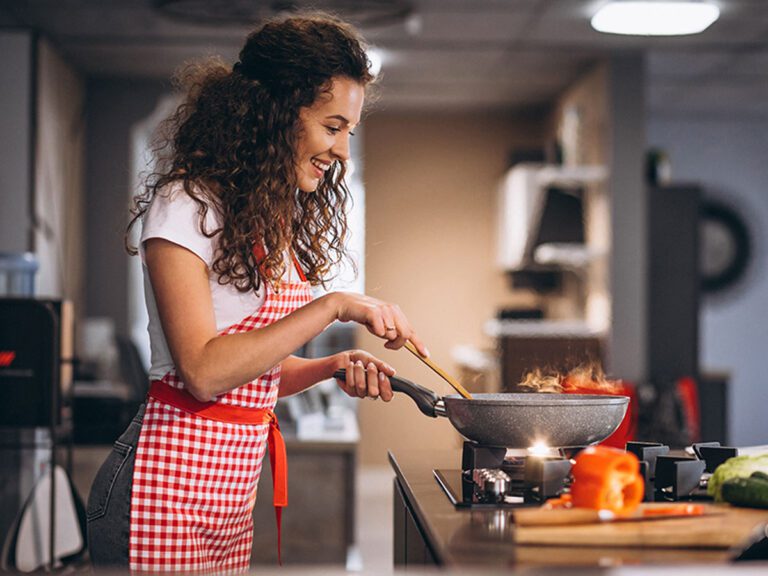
(367, 376)
(382, 319)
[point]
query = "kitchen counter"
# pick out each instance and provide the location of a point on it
(430, 530)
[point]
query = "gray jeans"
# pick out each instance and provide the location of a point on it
(109, 503)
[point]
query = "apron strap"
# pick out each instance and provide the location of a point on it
(278, 460)
(259, 254)
(298, 267)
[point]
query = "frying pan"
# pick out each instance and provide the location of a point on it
(523, 419)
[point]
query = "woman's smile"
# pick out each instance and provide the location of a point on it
(320, 166)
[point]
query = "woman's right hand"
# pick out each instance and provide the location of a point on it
(382, 319)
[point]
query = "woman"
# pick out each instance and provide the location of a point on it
(246, 214)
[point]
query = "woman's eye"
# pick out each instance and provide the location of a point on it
(333, 129)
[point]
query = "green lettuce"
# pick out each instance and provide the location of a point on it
(736, 467)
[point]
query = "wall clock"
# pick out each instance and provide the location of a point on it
(725, 246)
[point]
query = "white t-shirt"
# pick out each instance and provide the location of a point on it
(173, 216)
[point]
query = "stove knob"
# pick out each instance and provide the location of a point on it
(496, 485)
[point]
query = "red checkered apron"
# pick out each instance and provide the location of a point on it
(198, 464)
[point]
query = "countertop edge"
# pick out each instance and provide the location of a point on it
(419, 513)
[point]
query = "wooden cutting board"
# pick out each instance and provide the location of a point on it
(723, 526)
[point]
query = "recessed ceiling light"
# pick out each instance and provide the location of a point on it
(655, 18)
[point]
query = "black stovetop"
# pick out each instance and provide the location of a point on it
(462, 494)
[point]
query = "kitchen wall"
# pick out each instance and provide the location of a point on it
(59, 182)
(114, 106)
(725, 153)
(17, 74)
(431, 182)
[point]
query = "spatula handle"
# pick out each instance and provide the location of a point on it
(440, 372)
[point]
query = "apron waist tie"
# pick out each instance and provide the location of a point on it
(278, 461)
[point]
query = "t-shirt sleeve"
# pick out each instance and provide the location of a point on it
(174, 216)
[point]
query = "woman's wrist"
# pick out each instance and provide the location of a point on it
(339, 361)
(331, 306)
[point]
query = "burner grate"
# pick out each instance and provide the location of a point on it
(497, 477)
(492, 476)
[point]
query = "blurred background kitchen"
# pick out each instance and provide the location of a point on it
(532, 192)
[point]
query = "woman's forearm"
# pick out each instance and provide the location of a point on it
(229, 361)
(298, 374)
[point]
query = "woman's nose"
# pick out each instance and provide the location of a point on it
(341, 148)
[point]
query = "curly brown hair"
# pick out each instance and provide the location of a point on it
(232, 145)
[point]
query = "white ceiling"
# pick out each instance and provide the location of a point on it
(447, 54)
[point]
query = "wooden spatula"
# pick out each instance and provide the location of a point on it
(440, 372)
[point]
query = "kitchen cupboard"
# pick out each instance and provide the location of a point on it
(674, 307)
(410, 544)
(673, 284)
(319, 521)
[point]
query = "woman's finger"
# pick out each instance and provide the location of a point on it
(365, 358)
(361, 384)
(347, 384)
(391, 328)
(396, 326)
(375, 321)
(367, 376)
(372, 373)
(385, 387)
(397, 343)
(355, 374)
(416, 341)
(404, 332)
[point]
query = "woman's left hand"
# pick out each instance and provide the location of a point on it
(367, 376)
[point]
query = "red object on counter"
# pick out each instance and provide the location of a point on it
(607, 479)
(689, 397)
(627, 430)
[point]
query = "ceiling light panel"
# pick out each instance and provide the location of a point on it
(655, 18)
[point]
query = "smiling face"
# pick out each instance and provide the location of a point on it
(326, 126)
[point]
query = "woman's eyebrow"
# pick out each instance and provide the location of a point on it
(338, 117)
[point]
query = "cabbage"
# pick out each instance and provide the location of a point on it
(736, 467)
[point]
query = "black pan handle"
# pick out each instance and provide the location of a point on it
(426, 399)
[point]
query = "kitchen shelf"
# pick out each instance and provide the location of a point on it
(541, 328)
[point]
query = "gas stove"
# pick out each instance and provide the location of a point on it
(494, 477)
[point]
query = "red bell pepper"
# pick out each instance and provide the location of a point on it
(607, 479)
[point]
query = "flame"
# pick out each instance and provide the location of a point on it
(584, 378)
(539, 448)
(538, 381)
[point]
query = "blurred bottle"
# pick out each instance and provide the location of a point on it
(658, 169)
(17, 274)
